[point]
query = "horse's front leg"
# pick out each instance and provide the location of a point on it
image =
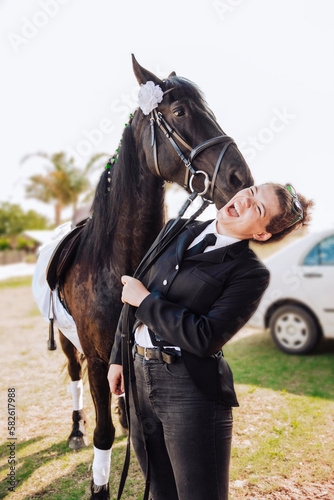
(104, 432)
(78, 437)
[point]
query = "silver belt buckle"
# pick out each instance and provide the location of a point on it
(145, 354)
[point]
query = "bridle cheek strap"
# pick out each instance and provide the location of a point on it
(215, 173)
(169, 132)
(157, 117)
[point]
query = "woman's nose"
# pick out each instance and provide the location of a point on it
(247, 202)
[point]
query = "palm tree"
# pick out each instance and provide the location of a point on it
(63, 182)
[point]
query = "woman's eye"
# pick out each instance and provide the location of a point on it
(259, 209)
(179, 112)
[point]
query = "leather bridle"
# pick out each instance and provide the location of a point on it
(158, 119)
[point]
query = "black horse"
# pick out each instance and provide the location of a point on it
(128, 212)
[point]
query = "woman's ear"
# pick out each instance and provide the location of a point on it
(262, 236)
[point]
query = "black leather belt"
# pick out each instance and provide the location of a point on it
(159, 354)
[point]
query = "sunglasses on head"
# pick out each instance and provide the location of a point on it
(296, 205)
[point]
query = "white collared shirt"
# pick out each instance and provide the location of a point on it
(142, 336)
(222, 240)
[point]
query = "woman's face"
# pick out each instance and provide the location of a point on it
(248, 213)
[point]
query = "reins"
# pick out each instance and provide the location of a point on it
(127, 339)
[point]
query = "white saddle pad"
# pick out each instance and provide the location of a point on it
(42, 292)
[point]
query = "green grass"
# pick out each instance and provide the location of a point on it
(284, 424)
(291, 434)
(16, 282)
(65, 474)
(257, 361)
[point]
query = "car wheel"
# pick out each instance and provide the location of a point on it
(294, 330)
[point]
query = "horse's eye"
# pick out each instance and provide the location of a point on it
(179, 112)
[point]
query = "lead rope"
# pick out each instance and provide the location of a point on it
(127, 343)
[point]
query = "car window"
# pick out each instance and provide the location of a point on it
(322, 254)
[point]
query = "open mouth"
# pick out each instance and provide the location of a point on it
(233, 211)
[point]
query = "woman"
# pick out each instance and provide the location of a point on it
(188, 307)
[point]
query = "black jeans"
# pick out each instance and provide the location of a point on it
(188, 436)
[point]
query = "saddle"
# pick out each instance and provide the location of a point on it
(63, 255)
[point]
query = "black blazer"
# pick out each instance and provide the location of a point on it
(199, 303)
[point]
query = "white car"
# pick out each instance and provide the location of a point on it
(298, 305)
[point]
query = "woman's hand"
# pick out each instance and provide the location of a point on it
(134, 292)
(115, 379)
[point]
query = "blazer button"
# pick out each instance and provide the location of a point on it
(177, 267)
(165, 282)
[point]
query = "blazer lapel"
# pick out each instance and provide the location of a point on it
(216, 256)
(187, 236)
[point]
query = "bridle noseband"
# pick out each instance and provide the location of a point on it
(158, 118)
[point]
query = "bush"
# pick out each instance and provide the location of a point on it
(24, 244)
(4, 243)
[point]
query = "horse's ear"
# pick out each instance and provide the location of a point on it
(172, 74)
(143, 75)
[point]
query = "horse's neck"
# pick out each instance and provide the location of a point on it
(141, 218)
(125, 222)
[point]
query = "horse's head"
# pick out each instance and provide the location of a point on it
(181, 137)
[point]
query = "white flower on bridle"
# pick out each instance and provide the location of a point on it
(149, 96)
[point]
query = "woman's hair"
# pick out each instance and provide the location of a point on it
(279, 226)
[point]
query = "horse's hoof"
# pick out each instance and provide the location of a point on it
(76, 443)
(99, 492)
(78, 437)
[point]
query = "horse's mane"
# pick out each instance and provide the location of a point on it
(124, 175)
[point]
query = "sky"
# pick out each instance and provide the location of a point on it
(265, 67)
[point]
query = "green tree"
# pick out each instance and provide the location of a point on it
(13, 221)
(62, 184)
(34, 220)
